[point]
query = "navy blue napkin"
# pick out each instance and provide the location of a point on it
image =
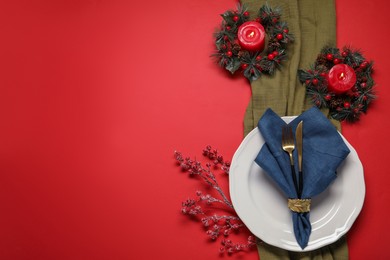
(323, 151)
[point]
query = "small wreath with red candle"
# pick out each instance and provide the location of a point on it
(340, 80)
(254, 47)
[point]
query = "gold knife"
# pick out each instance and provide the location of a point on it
(299, 141)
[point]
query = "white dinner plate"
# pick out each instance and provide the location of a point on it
(261, 205)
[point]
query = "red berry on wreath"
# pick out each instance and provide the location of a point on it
(336, 61)
(356, 110)
(258, 58)
(347, 104)
(328, 97)
(246, 13)
(285, 30)
(365, 98)
(275, 53)
(223, 47)
(323, 74)
(229, 54)
(228, 28)
(275, 20)
(271, 56)
(315, 82)
(244, 66)
(363, 64)
(258, 20)
(279, 36)
(307, 82)
(329, 56)
(344, 54)
(235, 18)
(363, 84)
(225, 38)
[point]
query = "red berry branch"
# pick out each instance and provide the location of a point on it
(215, 225)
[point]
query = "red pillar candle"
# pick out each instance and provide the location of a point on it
(341, 78)
(251, 36)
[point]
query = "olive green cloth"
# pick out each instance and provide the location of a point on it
(313, 24)
(335, 251)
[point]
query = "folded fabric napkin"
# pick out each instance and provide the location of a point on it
(323, 151)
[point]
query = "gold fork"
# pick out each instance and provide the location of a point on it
(289, 146)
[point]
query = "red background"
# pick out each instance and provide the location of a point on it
(96, 95)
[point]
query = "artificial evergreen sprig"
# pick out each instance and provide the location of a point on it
(346, 106)
(233, 58)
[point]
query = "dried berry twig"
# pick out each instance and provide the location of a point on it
(216, 225)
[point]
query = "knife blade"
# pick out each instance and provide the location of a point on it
(299, 141)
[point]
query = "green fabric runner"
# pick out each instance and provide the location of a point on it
(313, 24)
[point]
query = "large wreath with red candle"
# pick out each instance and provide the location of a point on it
(254, 47)
(340, 80)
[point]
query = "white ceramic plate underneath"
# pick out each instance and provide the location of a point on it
(261, 205)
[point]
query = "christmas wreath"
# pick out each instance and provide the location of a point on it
(341, 81)
(241, 44)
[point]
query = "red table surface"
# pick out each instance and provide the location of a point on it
(96, 95)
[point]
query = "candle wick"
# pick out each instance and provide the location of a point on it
(251, 34)
(341, 75)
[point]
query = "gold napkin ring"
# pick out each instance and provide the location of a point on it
(299, 205)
